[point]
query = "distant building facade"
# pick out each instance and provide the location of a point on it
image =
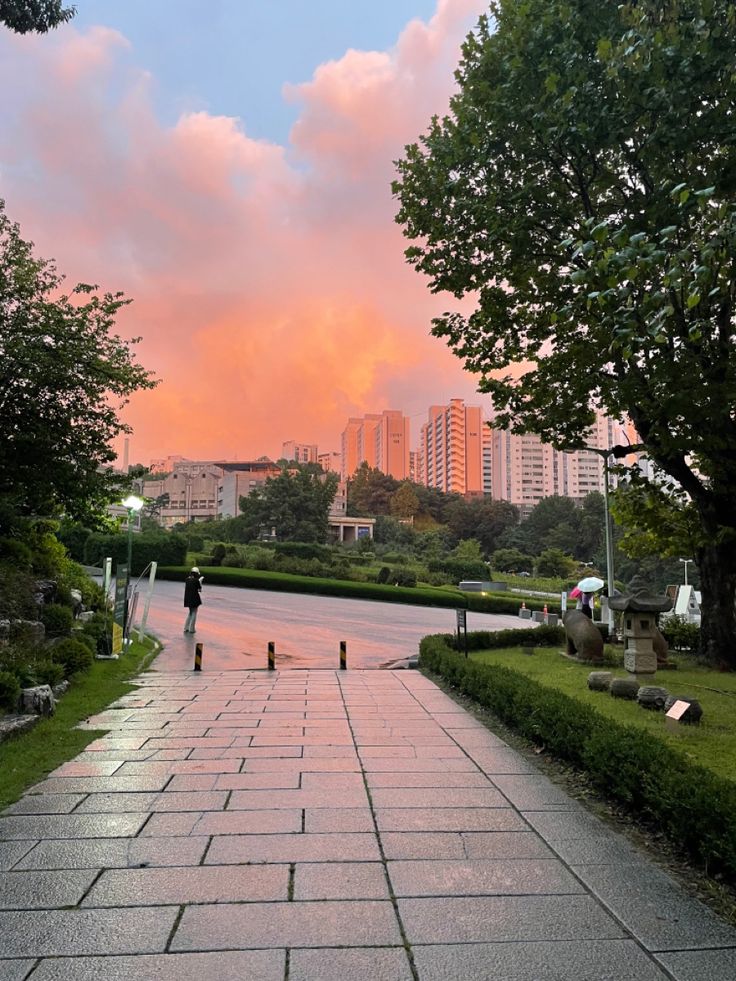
(189, 493)
(299, 452)
(379, 439)
(238, 480)
(330, 462)
(454, 450)
(525, 470)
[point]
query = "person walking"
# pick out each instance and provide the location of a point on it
(192, 598)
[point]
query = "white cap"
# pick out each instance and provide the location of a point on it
(195, 569)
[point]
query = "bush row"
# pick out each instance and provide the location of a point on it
(694, 807)
(252, 579)
(322, 585)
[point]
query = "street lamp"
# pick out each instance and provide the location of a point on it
(686, 562)
(133, 505)
(605, 453)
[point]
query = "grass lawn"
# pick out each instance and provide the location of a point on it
(712, 744)
(29, 757)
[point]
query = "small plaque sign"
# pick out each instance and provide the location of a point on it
(678, 710)
(462, 623)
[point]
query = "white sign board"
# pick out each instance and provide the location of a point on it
(678, 710)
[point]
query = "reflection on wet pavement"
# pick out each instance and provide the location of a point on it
(235, 626)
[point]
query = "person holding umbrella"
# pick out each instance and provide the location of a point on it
(588, 588)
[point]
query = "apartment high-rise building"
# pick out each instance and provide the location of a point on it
(525, 470)
(454, 450)
(299, 452)
(380, 440)
(349, 447)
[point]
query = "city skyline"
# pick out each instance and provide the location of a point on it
(246, 211)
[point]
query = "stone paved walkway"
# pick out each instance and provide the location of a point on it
(318, 825)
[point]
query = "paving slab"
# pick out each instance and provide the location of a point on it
(596, 960)
(70, 933)
(12, 852)
(43, 890)
(203, 884)
(15, 970)
(340, 880)
(376, 963)
(480, 919)
(295, 924)
(109, 853)
(294, 848)
(263, 965)
(482, 877)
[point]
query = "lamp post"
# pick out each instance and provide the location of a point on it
(686, 563)
(133, 505)
(605, 453)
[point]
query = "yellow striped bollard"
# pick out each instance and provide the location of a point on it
(198, 657)
(343, 655)
(271, 656)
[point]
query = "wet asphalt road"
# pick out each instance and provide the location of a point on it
(235, 625)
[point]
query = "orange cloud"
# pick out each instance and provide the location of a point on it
(269, 282)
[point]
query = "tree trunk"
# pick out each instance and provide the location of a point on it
(717, 567)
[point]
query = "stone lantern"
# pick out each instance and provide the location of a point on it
(640, 607)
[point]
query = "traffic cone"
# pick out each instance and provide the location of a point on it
(545, 614)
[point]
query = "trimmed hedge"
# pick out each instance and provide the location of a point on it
(284, 582)
(691, 805)
(420, 596)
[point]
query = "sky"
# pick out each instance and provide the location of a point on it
(227, 165)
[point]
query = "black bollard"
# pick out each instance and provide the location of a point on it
(271, 656)
(198, 657)
(343, 655)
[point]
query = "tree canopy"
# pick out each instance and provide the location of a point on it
(39, 16)
(295, 505)
(583, 191)
(64, 377)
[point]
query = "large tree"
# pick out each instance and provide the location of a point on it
(296, 504)
(582, 191)
(39, 16)
(64, 376)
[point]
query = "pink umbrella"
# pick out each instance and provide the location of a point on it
(575, 593)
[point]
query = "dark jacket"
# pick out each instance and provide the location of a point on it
(192, 589)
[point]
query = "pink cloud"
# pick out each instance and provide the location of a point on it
(269, 282)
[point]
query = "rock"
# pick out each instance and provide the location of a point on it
(693, 715)
(45, 591)
(26, 632)
(37, 701)
(624, 688)
(600, 680)
(60, 689)
(584, 639)
(652, 697)
(12, 725)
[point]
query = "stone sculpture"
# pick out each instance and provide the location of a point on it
(652, 697)
(584, 639)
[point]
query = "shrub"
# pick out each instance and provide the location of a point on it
(233, 562)
(692, 806)
(679, 634)
(458, 569)
(57, 620)
(48, 673)
(384, 574)
(398, 558)
(15, 553)
(9, 691)
(218, 554)
(304, 550)
(73, 655)
(404, 577)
